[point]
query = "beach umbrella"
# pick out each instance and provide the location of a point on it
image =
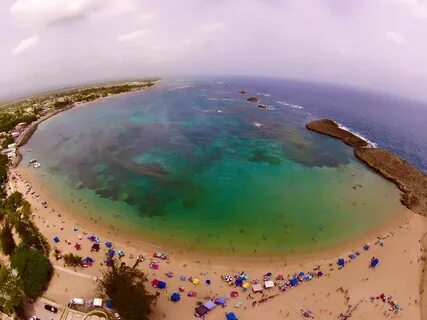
(120, 253)
(182, 278)
(366, 247)
(108, 244)
(208, 282)
(245, 285)
(89, 260)
(220, 301)
(196, 281)
(109, 304)
(111, 252)
(341, 262)
(234, 294)
(56, 239)
(352, 256)
(238, 282)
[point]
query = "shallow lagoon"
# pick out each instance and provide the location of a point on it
(196, 165)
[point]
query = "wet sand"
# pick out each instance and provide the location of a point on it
(399, 273)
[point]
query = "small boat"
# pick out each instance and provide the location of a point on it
(36, 165)
(33, 161)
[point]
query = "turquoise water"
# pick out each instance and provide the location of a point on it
(197, 166)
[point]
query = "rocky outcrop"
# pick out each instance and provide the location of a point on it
(411, 181)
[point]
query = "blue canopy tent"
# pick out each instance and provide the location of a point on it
(352, 256)
(294, 282)
(161, 285)
(175, 297)
(89, 260)
(341, 262)
(366, 247)
(231, 316)
(109, 304)
(374, 262)
(111, 253)
(108, 244)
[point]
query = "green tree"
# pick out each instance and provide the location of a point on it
(6, 238)
(11, 291)
(7, 141)
(126, 287)
(34, 268)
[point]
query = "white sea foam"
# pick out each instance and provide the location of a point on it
(290, 105)
(181, 87)
(264, 94)
(257, 124)
(357, 134)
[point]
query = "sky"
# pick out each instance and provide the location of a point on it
(373, 44)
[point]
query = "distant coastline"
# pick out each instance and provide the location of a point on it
(68, 103)
(411, 181)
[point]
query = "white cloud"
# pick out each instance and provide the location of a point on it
(25, 44)
(395, 37)
(134, 36)
(50, 11)
(213, 27)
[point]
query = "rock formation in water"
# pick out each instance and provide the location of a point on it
(252, 99)
(263, 106)
(411, 181)
(332, 129)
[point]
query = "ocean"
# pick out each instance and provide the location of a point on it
(192, 164)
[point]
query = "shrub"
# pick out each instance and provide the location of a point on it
(73, 260)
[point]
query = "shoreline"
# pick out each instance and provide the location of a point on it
(151, 239)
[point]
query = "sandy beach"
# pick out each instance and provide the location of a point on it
(353, 290)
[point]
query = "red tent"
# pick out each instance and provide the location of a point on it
(155, 283)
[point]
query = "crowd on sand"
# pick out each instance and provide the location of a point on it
(256, 289)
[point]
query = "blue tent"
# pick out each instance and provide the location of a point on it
(301, 274)
(56, 239)
(109, 304)
(161, 285)
(231, 316)
(108, 244)
(208, 282)
(294, 282)
(341, 262)
(220, 301)
(238, 282)
(366, 247)
(111, 252)
(352, 256)
(89, 260)
(374, 262)
(175, 297)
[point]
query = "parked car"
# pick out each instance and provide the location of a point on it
(51, 308)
